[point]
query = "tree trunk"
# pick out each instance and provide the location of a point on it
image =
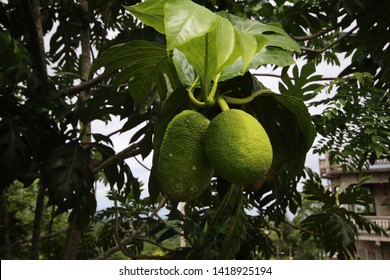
(72, 241)
(74, 234)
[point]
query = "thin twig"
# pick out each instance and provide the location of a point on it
(143, 165)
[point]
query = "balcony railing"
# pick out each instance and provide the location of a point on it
(327, 170)
(383, 222)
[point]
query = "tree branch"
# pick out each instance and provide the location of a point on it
(38, 55)
(317, 34)
(331, 44)
(292, 78)
(130, 151)
(80, 87)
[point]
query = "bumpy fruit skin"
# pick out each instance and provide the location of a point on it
(183, 169)
(238, 147)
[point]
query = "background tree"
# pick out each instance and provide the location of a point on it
(49, 97)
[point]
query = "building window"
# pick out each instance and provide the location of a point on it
(366, 209)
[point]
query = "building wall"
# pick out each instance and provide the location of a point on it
(381, 193)
(379, 184)
(370, 250)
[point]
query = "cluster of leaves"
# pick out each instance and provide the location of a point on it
(355, 124)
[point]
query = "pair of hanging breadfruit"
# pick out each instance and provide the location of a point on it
(233, 145)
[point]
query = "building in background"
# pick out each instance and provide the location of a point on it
(369, 246)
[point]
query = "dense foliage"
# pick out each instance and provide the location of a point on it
(67, 64)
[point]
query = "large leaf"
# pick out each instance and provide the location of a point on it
(248, 48)
(268, 55)
(185, 20)
(274, 46)
(221, 50)
(288, 124)
(215, 43)
(18, 145)
(283, 42)
(26, 138)
(274, 33)
(185, 70)
(151, 13)
(145, 66)
(303, 84)
(67, 176)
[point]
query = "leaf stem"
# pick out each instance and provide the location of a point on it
(240, 101)
(197, 103)
(205, 83)
(193, 99)
(211, 98)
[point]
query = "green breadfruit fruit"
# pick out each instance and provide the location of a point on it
(183, 170)
(238, 147)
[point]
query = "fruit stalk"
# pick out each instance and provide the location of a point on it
(222, 103)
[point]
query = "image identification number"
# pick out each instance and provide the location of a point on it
(242, 270)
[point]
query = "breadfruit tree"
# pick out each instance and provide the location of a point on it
(185, 78)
